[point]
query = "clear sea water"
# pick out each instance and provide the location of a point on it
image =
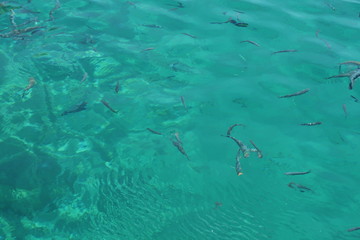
(99, 175)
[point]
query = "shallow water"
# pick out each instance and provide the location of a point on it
(98, 174)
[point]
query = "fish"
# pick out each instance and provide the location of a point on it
(152, 26)
(192, 36)
(345, 111)
(311, 124)
(284, 51)
(298, 186)
(340, 75)
(231, 128)
(326, 43)
(108, 106)
(356, 63)
(183, 102)
(218, 204)
(353, 229)
(241, 145)
(117, 87)
(252, 42)
(154, 132)
(51, 13)
(296, 94)
(77, 108)
(180, 148)
(147, 49)
(84, 77)
(260, 155)
(297, 173)
(238, 168)
(355, 98)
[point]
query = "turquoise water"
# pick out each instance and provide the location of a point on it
(72, 173)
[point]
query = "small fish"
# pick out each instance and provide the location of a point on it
(355, 99)
(231, 128)
(298, 186)
(340, 75)
(241, 24)
(154, 132)
(296, 94)
(284, 51)
(241, 145)
(218, 204)
(183, 102)
(344, 109)
(297, 173)
(192, 36)
(356, 63)
(353, 229)
(180, 148)
(326, 43)
(260, 155)
(311, 124)
(117, 87)
(151, 26)
(252, 42)
(237, 164)
(147, 49)
(108, 106)
(84, 77)
(77, 108)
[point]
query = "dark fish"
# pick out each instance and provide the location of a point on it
(252, 42)
(297, 173)
(218, 204)
(298, 186)
(117, 87)
(77, 108)
(192, 36)
(353, 229)
(231, 128)
(51, 13)
(183, 102)
(296, 94)
(355, 99)
(180, 148)
(237, 164)
(340, 75)
(108, 106)
(311, 124)
(345, 111)
(147, 49)
(241, 24)
(241, 145)
(356, 63)
(284, 51)
(154, 132)
(260, 155)
(152, 26)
